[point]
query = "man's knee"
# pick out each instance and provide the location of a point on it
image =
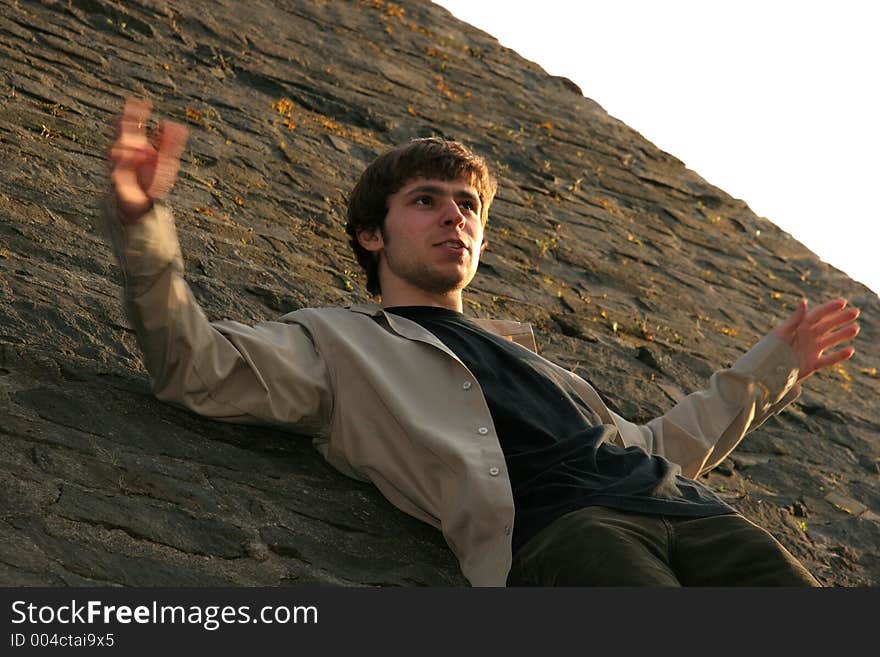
(730, 550)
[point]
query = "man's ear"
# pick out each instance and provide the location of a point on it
(483, 245)
(371, 239)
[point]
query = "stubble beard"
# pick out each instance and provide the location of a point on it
(420, 275)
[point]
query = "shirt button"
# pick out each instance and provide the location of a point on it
(466, 385)
(482, 431)
(494, 471)
(507, 530)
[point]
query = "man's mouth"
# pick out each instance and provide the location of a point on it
(453, 244)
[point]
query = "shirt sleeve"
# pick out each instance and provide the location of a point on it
(270, 373)
(704, 427)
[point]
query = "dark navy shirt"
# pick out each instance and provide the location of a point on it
(557, 450)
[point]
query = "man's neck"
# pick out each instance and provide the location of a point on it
(393, 298)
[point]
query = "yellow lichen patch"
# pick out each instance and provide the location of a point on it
(330, 125)
(477, 53)
(193, 115)
(872, 372)
(296, 117)
(545, 245)
(718, 326)
(443, 88)
(391, 9)
(840, 370)
(283, 106)
(421, 29)
(430, 51)
(208, 212)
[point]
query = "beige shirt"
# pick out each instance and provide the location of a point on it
(385, 401)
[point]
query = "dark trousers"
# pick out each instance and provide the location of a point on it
(596, 546)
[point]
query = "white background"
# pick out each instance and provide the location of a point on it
(775, 102)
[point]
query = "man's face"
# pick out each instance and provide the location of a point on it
(432, 238)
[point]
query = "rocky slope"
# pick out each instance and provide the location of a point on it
(636, 272)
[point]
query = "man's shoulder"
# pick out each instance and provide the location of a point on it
(332, 315)
(365, 309)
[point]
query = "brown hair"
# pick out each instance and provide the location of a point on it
(429, 157)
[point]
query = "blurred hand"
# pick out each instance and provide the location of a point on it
(143, 170)
(811, 333)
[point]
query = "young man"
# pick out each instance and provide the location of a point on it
(527, 473)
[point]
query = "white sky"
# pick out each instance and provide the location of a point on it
(775, 102)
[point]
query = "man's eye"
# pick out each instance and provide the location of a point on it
(467, 205)
(423, 200)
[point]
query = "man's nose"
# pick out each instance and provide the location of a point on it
(452, 214)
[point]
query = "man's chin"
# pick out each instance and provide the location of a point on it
(443, 284)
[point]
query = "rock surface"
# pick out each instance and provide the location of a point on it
(636, 272)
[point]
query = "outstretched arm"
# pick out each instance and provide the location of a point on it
(269, 373)
(705, 426)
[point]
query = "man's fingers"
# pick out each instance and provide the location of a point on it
(127, 156)
(135, 115)
(798, 315)
(125, 180)
(172, 140)
(835, 320)
(170, 143)
(834, 357)
(819, 313)
(837, 337)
